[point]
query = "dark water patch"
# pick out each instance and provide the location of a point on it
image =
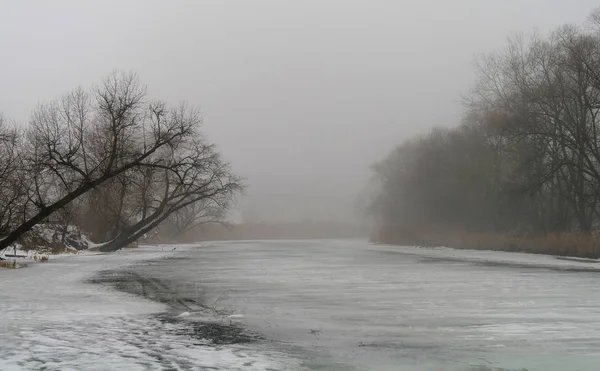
(216, 333)
(176, 295)
(181, 297)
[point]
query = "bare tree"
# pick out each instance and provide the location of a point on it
(197, 214)
(80, 141)
(526, 158)
(185, 177)
(12, 192)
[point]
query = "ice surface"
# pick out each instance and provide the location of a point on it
(373, 307)
(333, 305)
(51, 319)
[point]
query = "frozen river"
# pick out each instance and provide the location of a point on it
(320, 305)
(351, 305)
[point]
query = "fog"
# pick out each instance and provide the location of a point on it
(301, 96)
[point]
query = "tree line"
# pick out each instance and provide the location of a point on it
(525, 159)
(112, 162)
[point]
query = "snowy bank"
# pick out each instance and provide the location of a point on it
(46, 240)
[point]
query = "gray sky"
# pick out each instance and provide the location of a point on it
(301, 96)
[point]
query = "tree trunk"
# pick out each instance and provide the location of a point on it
(41, 215)
(116, 244)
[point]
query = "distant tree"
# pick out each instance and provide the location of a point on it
(525, 159)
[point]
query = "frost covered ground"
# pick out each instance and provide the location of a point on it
(52, 318)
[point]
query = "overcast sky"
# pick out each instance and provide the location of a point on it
(301, 96)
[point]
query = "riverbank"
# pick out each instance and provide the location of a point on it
(565, 245)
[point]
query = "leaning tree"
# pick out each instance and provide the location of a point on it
(89, 138)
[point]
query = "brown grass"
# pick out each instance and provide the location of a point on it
(10, 264)
(572, 245)
(133, 245)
